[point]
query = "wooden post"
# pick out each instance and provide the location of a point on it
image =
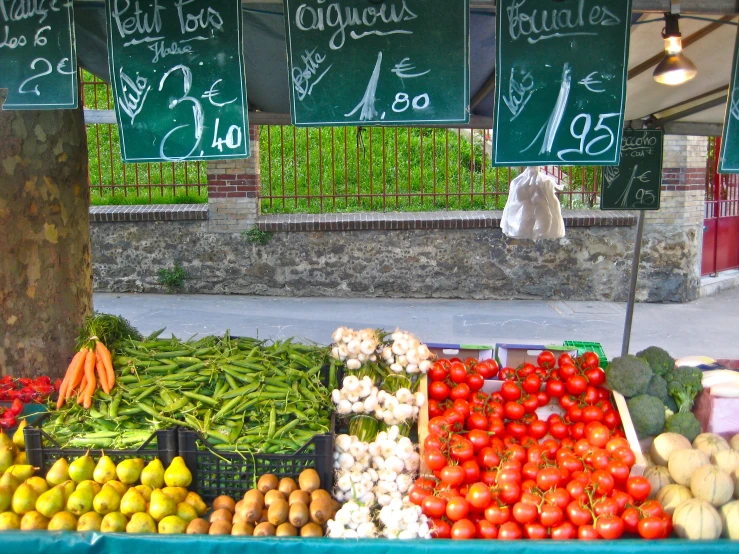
(45, 265)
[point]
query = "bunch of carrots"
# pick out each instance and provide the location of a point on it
(80, 376)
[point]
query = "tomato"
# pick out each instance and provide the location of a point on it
(574, 413)
(478, 421)
(576, 384)
(578, 514)
(610, 527)
(615, 443)
(559, 430)
(620, 472)
(457, 508)
(458, 372)
(455, 417)
(488, 369)
(611, 419)
(605, 505)
(530, 403)
(463, 529)
(417, 494)
(516, 429)
(495, 409)
(567, 370)
(546, 360)
(452, 476)
(667, 525)
(558, 497)
(570, 463)
(489, 477)
(638, 487)
(589, 360)
(509, 531)
(440, 529)
(534, 531)
(587, 533)
(599, 459)
(564, 358)
(513, 410)
(434, 459)
(567, 401)
(434, 506)
(622, 498)
(447, 492)
(524, 512)
(530, 470)
(596, 376)
(510, 391)
(590, 396)
(461, 449)
(554, 388)
(479, 496)
(496, 425)
(626, 455)
(532, 384)
(460, 392)
(475, 381)
(486, 530)
(438, 372)
(509, 492)
(550, 515)
(564, 531)
(462, 406)
(582, 448)
(651, 527)
(516, 453)
(548, 478)
(471, 471)
(651, 508)
(598, 434)
(603, 482)
(435, 409)
(538, 429)
(630, 517)
(592, 413)
(438, 390)
(497, 514)
(507, 373)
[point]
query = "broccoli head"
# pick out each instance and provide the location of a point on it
(647, 414)
(683, 385)
(658, 387)
(628, 375)
(658, 359)
(684, 423)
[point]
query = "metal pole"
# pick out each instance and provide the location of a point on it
(632, 288)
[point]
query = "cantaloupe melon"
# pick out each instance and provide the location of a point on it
(726, 460)
(696, 519)
(710, 443)
(658, 477)
(683, 463)
(735, 478)
(734, 442)
(711, 484)
(730, 520)
(671, 496)
(665, 444)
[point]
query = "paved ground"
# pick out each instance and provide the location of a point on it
(709, 326)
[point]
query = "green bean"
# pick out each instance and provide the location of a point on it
(114, 405)
(200, 398)
(173, 354)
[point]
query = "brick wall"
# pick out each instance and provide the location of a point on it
(233, 190)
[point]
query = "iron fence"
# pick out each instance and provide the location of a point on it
(348, 169)
(114, 182)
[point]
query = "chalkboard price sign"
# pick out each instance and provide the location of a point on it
(177, 72)
(560, 85)
(729, 157)
(38, 62)
(378, 62)
(636, 183)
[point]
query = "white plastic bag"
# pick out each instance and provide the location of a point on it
(532, 210)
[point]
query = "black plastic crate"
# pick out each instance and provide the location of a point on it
(231, 473)
(42, 450)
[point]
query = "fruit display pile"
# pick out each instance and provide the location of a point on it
(16, 393)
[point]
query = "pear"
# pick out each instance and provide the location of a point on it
(80, 502)
(194, 500)
(6, 458)
(9, 521)
(132, 502)
(34, 521)
(104, 470)
(153, 474)
(51, 502)
(161, 505)
(19, 438)
(7, 442)
(89, 522)
(106, 501)
(145, 491)
(9, 481)
(20, 459)
(59, 473)
(141, 523)
(186, 512)
(38, 484)
(63, 521)
(177, 474)
(90, 485)
(24, 499)
(172, 525)
(114, 522)
(119, 487)
(82, 468)
(129, 471)
(178, 493)
(6, 496)
(22, 472)
(68, 487)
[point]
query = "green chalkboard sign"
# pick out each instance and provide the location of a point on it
(560, 85)
(38, 62)
(378, 62)
(636, 182)
(729, 156)
(177, 71)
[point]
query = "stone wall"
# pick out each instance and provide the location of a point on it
(590, 263)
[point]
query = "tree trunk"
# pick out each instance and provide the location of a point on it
(45, 265)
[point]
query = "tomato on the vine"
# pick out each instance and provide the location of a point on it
(452, 476)
(488, 369)
(477, 421)
(460, 392)
(579, 514)
(596, 376)
(610, 527)
(458, 372)
(548, 478)
(589, 360)
(463, 529)
(638, 487)
(434, 506)
(514, 410)
(509, 531)
(564, 531)
(486, 530)
(531, 384)
(576, 384)
(440, 529)
(434, 459)
(488, 458)
(554, 388)
(475, 381)
(438, 372)
(438, 390)
(479, 496)
(457, 508)
(510, 391)
(546, 360)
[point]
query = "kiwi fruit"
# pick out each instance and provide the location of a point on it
(271, 496)
(198, 526)
(265, 529)
(242, 529)
(220, 527)
(278, 512)
(299, 514)
(321, 511)
(311, 530)
(286, 530)
(320, 493)
(309, 480)
(224, 503)
(268, 482)
(221, 515)
(299, 496)
(286, 486)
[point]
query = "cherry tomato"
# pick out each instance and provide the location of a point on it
(457, 508)
(458, 372)
(475, 381)
(610, 527)
(509, 531)
(440, 529)
(638, 487)
(434, 506)
(486, 530)
(452, 476)
(463, 529)
(497, 514)
(479, 496)
(546, 360)
(510, 391)
(438, 390)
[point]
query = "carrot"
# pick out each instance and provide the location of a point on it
(103, 352)
(102, 374)
(83, 386)
(77, 371)
(89, 388)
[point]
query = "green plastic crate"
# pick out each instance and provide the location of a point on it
(583, 347)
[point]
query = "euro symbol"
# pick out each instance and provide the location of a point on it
(644, 177)
(588, 82)
(405, 65)
(213, 92)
